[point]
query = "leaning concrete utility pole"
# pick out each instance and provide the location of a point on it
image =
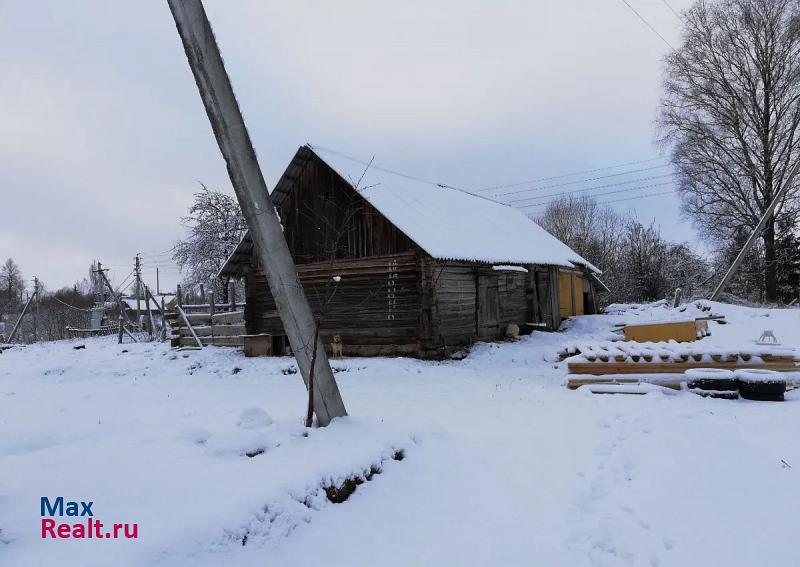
(24, 310)
(756, 232)
(251, 191)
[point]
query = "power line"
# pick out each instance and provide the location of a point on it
(71, 306)
(576, 182)
(629, 189)
(606, 186)
(371, 165)
(563, 175)
(639, 197)
(551, 186)
(671, 9)
(384, 169)
(646, 196)
(654, 30)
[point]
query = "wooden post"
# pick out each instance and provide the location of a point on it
(232, 295)
(272, 251)
(189, 325)
(163, 320)
(179, 296)
(118, 298)
(147, 297)
(121, 325)
(211, 309)
(202, 294)
(555, 297)
(676, 301)
(127, 332)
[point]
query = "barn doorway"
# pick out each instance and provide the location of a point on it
(488, 308)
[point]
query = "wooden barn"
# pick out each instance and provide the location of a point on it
(395, 266)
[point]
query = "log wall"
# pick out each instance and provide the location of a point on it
(375, 307)
(451, 302)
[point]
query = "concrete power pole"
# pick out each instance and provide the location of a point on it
(36, 310)
(21, 315)
(137, 268)
(756, 232)
(234, 142)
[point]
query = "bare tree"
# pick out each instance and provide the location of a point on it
(731, 111)
(11, 286)
(335, 229)
(637, 263)
(590, 229)
(215, 225)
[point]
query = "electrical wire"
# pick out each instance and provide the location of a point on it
(551, 186)
(544, 203)
(638, 197)
(71, 306)
(371, 165)
(671, 9)
(567, 183)
(646, 196)
(654, 30)
(563, 175)
(606, 186)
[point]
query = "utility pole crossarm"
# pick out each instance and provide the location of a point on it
(248, 182)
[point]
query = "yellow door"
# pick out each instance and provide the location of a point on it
(564, 294)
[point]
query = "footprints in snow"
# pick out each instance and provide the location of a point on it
(609, 528)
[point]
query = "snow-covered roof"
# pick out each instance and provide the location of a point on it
(451, 224)
(447, 223)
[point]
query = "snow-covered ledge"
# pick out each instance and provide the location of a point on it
(509, 268)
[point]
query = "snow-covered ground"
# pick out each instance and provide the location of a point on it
(502, 465)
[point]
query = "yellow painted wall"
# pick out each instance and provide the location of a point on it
(570, 286)
(579, 307)
(564, 294)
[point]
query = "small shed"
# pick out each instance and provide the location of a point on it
(397, 266)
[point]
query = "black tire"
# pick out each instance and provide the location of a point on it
(767, 391)
(719, 394)
(714, 384)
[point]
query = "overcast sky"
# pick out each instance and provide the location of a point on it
(103, 137)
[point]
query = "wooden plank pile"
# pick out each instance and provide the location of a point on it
(218, 329)
(662, 363)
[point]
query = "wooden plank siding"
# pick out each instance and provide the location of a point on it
(375, 307)
(452, 292)
(571, 293)
(393, 298)
(513, 299)
(324, 218)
